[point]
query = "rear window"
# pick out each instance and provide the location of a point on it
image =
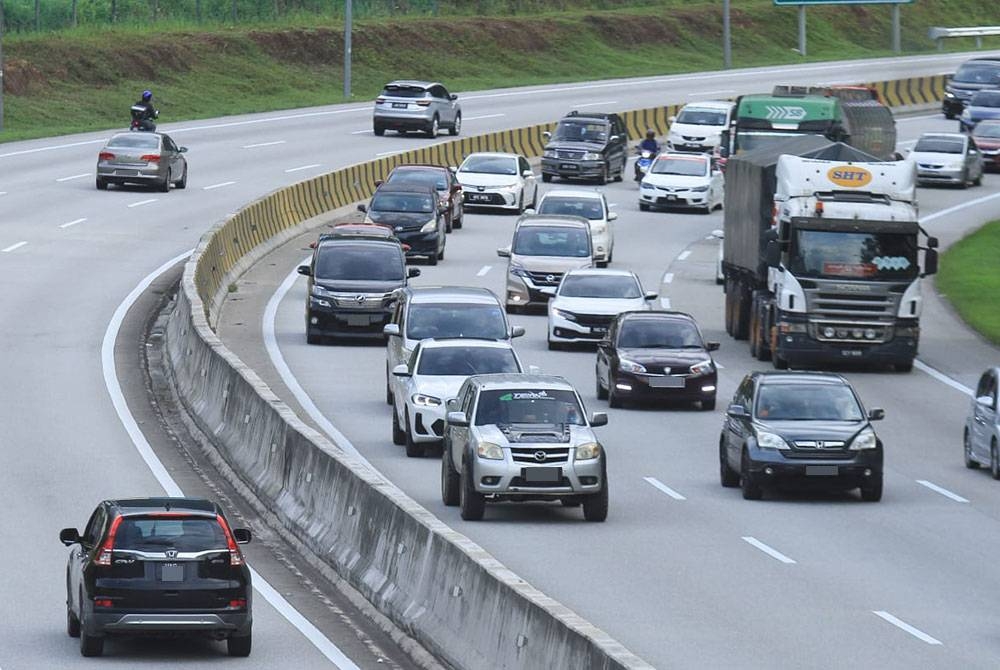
(135, 140)
(466, 361)
(404, 91)
(360, 262)
(588, 208)
(456, 320)
(430, 178)
(554, 241)
(158, 534)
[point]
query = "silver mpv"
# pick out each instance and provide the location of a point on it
(522, 437)
(416, 106)
(982, 426)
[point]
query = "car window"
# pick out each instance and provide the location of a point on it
(168, 144)
(466, 361)
(523, 166)
(159, 534)
(744, 394)
(571, 130)
(467, 399)
(588, 208)
(490, 165)
(978, 73)
(418, 203)
(806, 402)
(397, 91)
(528, 406)
(359, 262)
(456, 320)
(986, 99)
(552, 241)
(95, 526)
(600, 286)
(659, 334)
(435, 179)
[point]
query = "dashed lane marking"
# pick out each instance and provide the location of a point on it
(943, 491)
(902, 625)
(219, 185)
(142, 202)
(13, 247)
(483, 270)
(770, 551)
(71, 223)
(684, 254)
(303, 167)
(657, 484)
(263, 144)
(75, 176)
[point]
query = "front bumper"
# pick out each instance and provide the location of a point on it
(510, 479)
(564, 330)
(522, 292)
(656, 197)
(849, 471)
(702, 147)
(800, 349)
(346, 322)
(940, 176)
(491, 197)
(146, 623)
(991, 158)
(569, 168)
(664, 387)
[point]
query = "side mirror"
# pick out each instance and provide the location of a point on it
(451, 404)
(711, 346)
(651, 295)
(363, 208)
(612, 216)
(456, 187)
(453, 97)
(305, 270)
(737, 412)
(527, 173)
(528, 211)
(401, 370)
(932, 243)
(930, 262)
(516, 331)
(598, 419)
(69, 536)
(876, 414)
(182, 150)
(457, 419)
(671, 119)
(242, 535)
(547, 135)
(614, 138)
(412, 272)
(772, 253)
(379, 182)
(985, 401)
(503, 252)
(391, 330)
(454, 169)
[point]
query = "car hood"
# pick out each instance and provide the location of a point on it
(473, 179)
(989, 143)
(813, 430)
(597, 305)
(692, 130)
(343, 286)
(542, 434)
(674, 358)
(576, 146)
(674, 180)
(935, 157)
(441, 387)
(404, 219)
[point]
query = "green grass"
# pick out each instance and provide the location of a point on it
(969, 277)
(84, 79)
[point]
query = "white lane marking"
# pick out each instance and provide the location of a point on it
(943, 491)
(142, 202)
(665, 303)
(389, 153)
(958, 208)
(710, 237)
(482, 116)
(770, 551)
(902, 625)
(595, 104)
(718, 364)
(683, 255)
(219, 185)
(71, 223)
(75, 176)
(13, 247)
(170, 487)
(3, 192)
(942, 377)
(483, 270)
(263, 144)
(668, 277)
(720, 91)
(50, 148)
(657, 484)
(303, 167)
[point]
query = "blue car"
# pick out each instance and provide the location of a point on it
(983, 105)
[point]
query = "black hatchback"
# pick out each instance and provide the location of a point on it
(415, 215)
(805, 428)
(158, 566)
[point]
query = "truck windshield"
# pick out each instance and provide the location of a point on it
(527, 405)
(826, 254)
(754, 139)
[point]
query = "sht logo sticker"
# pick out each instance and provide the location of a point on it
(849, 176)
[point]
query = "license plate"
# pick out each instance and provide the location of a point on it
(172, 572)
(598, 330)
(126, 173)
(480, 197)
(569, 166)
(821, 471)
(399, 105)
(850, 353)
(541, 475)
(358, 319)
(666, 382)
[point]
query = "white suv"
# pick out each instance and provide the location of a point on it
(591, 205)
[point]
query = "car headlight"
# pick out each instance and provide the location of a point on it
(864, 440)
(591, 156)
(550, 153)
(563, 314)
(646, 185)
(949, 94)
(958, 165)
(421, 400)
(702, 368)
(430, 226)
(319, 301)
(766, 440)
(699, 189)
(490, 451)
(588, 452)
(626, 365)
(517, 270)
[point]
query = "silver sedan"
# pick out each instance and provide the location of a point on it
(142, 158)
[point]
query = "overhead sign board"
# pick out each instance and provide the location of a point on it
(842, 2)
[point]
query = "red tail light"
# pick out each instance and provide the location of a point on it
(424, 103)
(103, 602)
(105, 156)
(238, 604)
(151, 158)
(104, 555)
(235, 557)
(379, 100)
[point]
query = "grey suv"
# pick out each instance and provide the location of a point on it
(417, 105)
(586, 146)
(522, 437)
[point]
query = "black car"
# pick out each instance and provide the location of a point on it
(415, 215)
(586, 146)
(351, 285)
(972, 76)
(656, 356)
(158, 566)
(806, 428)
(439, 178)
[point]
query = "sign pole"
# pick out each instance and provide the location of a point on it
(348, 19)
(727, 37)
(802, 30)
(897, 41)
(1, 66)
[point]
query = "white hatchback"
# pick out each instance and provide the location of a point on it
(587, 301)
(497, 180)
(682, 180)
(591, 205)
(699, 125)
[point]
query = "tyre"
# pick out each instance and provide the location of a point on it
(994, 461)
(432, 259)
(602, 393)
(239, 645)
(748, 483)
(605, 175)
(312, 336)
(741, 313)
(611, 254)
(457, 223)
(440, 255)
(546, 178)
(553, 346)
(905, 366)
(164, 186)
(432, 129)
(102, 184)
(388, 389)
(708, 405)
(970, 463)
(778, 362)
(378, 130)
(965, 180)
(472, 504)
(450, 480)
(72, 623)
(183, 182)
(91, 645)
(595, 507)
(413, 449)
(643, 207)
(949, 115)
(398, 434)
(729, 307)
(978, 181)
(450, 225)
(520, 205)
(456, 127)
(614, 400)
(872, 492)
(728, 477)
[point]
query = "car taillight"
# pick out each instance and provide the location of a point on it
(103, 602)
(150, 158)
(379, 100)
(238, 604)
(424, 103)
(105, 156)
(104, 555)
(235, 557)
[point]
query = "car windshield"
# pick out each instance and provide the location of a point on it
(581, 131)
(599, 286)
(753, 140)
(456, 320)
(702, 117)
(135, 141)
(402, 202)
(991, 130)
(978, 73)
(848, 255)
(466, 361)
(360, 262)
(552, 241)
(588, 208)
(986, 99)
(430, 178)
(940, 145)
(659, 334)
(404, 91)
(528, 406)
(688, 167)
(806, 402)
(490, 165)
(160, 534)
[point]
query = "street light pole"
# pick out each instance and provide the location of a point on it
(727, 37)
(348, 19)
(802, 30)
(1, 66)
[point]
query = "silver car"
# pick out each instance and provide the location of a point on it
(522, 437)
(982, 427)
(142, 158)
(417, 106)
(947, 158)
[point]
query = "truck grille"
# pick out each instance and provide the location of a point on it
(854, 312)
(552, 456)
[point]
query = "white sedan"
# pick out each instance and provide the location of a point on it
(587, 301)
(591, 205)
(436, 371)
(497, 180)
(682, 180)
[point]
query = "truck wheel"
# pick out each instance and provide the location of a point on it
(595, 507)
(741, 313)
(728, 477)
(872, 492)
(471, 503)
(614, 400)
(413, 449)
(970, 463)
(729, 307)
(398, 435)
(450, 480)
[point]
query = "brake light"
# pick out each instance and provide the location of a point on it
(238, 604)
(151, 158)
(105, 156)
(379, 100)
(104, 555)
(235, 557)
(103, 602)
(424, 103)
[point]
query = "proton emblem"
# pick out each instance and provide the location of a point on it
(540, 456)
(360, 299)
(820, 444)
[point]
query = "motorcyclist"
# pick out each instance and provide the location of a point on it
(650, 143)
(143, 112)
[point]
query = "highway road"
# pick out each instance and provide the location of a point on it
(69, 256)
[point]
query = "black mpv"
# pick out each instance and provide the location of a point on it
(158, 566)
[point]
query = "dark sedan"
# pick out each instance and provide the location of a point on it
(987, 138)
(656, 356)
(152, 159)
(983, 106)
(800, 428)
(441, 179)
(414, 215)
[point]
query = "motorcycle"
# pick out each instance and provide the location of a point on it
(643, 162)
(139, 120)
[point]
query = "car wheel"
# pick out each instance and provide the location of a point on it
(398, 434)
(872, 492)
(605, 175)
(457, 223)
(614, 400)
(239, 645)
(546, 178)
(312, 336)
(728, 477)
(450, 225)
(520, 204)
(102, 184)
(965, 180)
(90, 645)
(183, 182)
(450, 479)
(432, 129)
(164, 186)
(72, 623)
(553, 346)
(978, 181)
(413, 449)
(440, 255)
(595, 507)
(602, 393)
(378, 130)
(471, 503)
(748, 483)
(643, 207)
(611, 253)
(970, 462)
(512, 309)
(905, 366)
(778, 362)
(949, 115)
(708, 405)
(432, 259)
(456, 127)
(994, 461)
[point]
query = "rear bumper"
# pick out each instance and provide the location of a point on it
(145, 623)
(131, 175)
(415, 120)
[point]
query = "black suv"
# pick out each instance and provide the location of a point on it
(586, 146)
(808, 428)
(351, 285)
(158, 566)
(972, 76)
(414, 214)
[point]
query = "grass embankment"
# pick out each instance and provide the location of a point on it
(969, 277)
(85, 79)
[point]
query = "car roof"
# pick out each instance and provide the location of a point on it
(414, 167)
(593, 116)
(455, 342)
(800, 377)
(356, 240)
(506, 380)
(493, 154)
(601, 272)
(416, 83)
(127, 506)
(709, 104)
(573, 193)
(446, 294)
(552, 220)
